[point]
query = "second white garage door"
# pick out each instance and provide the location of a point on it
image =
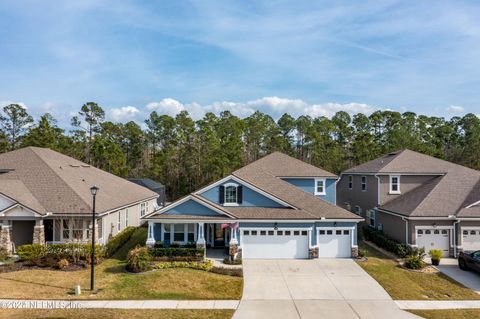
(334, 243)
(433, 238)
(470, 239)
(274, 244)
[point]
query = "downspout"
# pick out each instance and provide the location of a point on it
(455, 238)
(378, 189)
(406, 230)
(336, 182)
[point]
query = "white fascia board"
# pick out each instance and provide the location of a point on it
(473, 204)
(415, 218)
(393, 173)
(247, 184)
(218, 221)
(308, 177)
(5, 212)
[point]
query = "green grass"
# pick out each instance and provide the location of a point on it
(448, 314)
(403, 284)
(115, 283)
(114, 313)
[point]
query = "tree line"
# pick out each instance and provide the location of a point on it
(185, 154)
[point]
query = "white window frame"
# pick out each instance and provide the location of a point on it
(358, 210)
(370, 218)
(185, 232)
(398, 191)
(324, 186)
(119, 221)
(70, 222)
(363, 184)
(350, 182)
(142, 209)
(225, 203)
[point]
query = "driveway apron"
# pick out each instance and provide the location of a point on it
(319, 288)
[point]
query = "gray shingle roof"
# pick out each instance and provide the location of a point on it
(61, 184)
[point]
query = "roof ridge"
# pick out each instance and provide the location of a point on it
(34, 150)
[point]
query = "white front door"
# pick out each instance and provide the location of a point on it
(470, 239)
(433, 238)
(334, 243)
(274, 244)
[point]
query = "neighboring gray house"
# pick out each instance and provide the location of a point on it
(275, 207)
(417, 199)
(45, 197)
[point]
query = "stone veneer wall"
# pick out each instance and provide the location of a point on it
(39, 235)
(354, 252)
(6, 238)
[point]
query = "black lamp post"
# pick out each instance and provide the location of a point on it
(94, 190)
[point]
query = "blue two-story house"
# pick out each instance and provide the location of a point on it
(276, 207)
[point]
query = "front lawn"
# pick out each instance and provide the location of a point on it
(448, 314)
(404, 284)
(114, 313)
(115, 283)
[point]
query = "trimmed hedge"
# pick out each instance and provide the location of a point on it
(177, 252)
(384, 241)
(120, 239)
(207, 265)
(73, 252)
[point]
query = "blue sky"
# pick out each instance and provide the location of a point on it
(301, 57)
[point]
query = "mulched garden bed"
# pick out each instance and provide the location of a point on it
(28, 265)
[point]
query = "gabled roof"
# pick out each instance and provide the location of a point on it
(405, 162)
(454, 187)
(282, 165)
(53, 182)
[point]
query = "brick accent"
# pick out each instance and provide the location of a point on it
(313, 253)
(39, 235)
(6, 238)
(354, 252)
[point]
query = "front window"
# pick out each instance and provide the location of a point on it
(350, 182)
(77, 229)
(119, 221)
(191, 232)
(364, 183)
(166, 232)
(358, 210)
(66, 229)
(395, 184)
(126, 217)
(178, 232)
(371, 217)
(142, 209)
(230, 194)
(320, 187)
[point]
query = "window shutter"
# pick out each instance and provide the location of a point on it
(221, 194)
(239, 194)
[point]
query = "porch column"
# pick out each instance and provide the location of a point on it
(39, 232)
(201, 234)
(6, 238)
(150, 235)
(233, 249)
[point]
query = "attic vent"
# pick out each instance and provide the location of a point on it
(85, 165)
(71, 165)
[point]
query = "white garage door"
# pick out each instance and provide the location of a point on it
(470, 239)
(433, 239)
(274, 244)
(334, 243)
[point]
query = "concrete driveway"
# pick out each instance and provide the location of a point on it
(319, 288)
(470, 279)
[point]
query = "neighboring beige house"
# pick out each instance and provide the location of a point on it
(417, 199)
(45, 197)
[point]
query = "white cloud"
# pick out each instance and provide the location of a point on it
(455, 109)
(5, 103)
(124, 114)
(273, 106)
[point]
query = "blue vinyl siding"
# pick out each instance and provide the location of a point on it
(308, 185)
(157, 231)
(191, 207)
(250, 197)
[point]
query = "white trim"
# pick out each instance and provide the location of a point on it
(270, 228)
(433, 218)
(352, 233)
(222, 221)
(247, 184)
(390, 191)
(378, 189)
(392, 173)
(473, 204)
(306, 177)
(225, 186)
(348, 182)
(5, 212)
(107, 212)
(324, 186)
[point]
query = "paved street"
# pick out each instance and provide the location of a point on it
(320, 288)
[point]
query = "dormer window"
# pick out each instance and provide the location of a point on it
(230, 194)
(394, 184)
(320, 186)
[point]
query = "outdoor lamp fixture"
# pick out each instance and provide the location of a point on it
(434, 224)
(275, 226)
(334, 224)
(94, 190)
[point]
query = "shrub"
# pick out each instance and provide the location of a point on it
(62, 264)
(3, 254)
(362, 253)
(31, 252)
(415, 258)
(435, 254)
(237, 272)
(384, 241)
(139, 259)
(159, 244)
(228, 261)
(174, 244)
(191, 244)
(114, 244)
(207, 265)
(177, 252)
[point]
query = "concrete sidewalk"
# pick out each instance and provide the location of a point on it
(118, 304)
(437, 304)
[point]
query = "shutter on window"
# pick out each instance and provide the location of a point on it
(239, 194)
(221, 194)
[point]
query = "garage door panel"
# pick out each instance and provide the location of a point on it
(270, 244)
(434, 239)
(334, 243)
(470, 239)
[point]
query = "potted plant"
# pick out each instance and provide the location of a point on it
(436, 255)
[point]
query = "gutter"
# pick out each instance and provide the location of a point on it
(455, 237)
(406, 230)
(378, 189)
